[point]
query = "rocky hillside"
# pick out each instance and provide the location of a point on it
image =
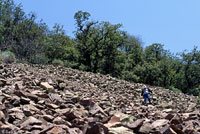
(39, 99)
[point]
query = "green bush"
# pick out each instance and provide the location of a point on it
(1, 58)
(130, 76)
(39, 59)
(58, 62)
(195, 91)
(71, 64)
(175, 89)
(82, 67)
(7, 57)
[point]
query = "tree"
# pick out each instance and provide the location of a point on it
(60, 46)
(191, 69)
(114, 40)
(134, 51)
(6, 20)
(98, 43)
(20, 33)
(154, 52)
(167, 71)
(84, 37)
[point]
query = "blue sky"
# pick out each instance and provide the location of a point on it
(173, 23)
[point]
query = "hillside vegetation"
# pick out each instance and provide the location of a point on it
(97, 46)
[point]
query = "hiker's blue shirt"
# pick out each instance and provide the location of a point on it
(145, 91)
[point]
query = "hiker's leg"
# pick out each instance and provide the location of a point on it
(145, 99)
(149, 98)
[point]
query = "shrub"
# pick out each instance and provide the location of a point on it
(82, 67)
(130, 76)
(1, 58)
(175, 89)
(194, 91)
(7, 57)
(71, 64)
(39, 59)
(58, 62)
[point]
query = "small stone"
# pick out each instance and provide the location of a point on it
(120, 130)
(58, 121)
(48, 117)
(31, 121)
(46, 86)
(135, 125)
(159, 123)
(62, 86)
(145, 129)
(167, 130)
(56, 130)
(54, 106)
(25, 100)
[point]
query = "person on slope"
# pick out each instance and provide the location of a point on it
(146, 94)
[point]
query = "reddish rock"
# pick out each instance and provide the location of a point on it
(25, 100)
(39, 94)
(63, 111)
(30, 121)
(48, 117)
(69, 116)
(56, 130)
(189, 128)
(177, 128)
(86, 102)
(32, 97)
(94, 109)
(74, 131)
(58, 121)
(55, 98)
(167, 130)
(137, 124)
(176, 120)
(114, 119)
(145, 128)
(169, 116)
(159, 123)
(51, 105)
(2, 116)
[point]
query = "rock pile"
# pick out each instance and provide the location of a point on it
(37, 99)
